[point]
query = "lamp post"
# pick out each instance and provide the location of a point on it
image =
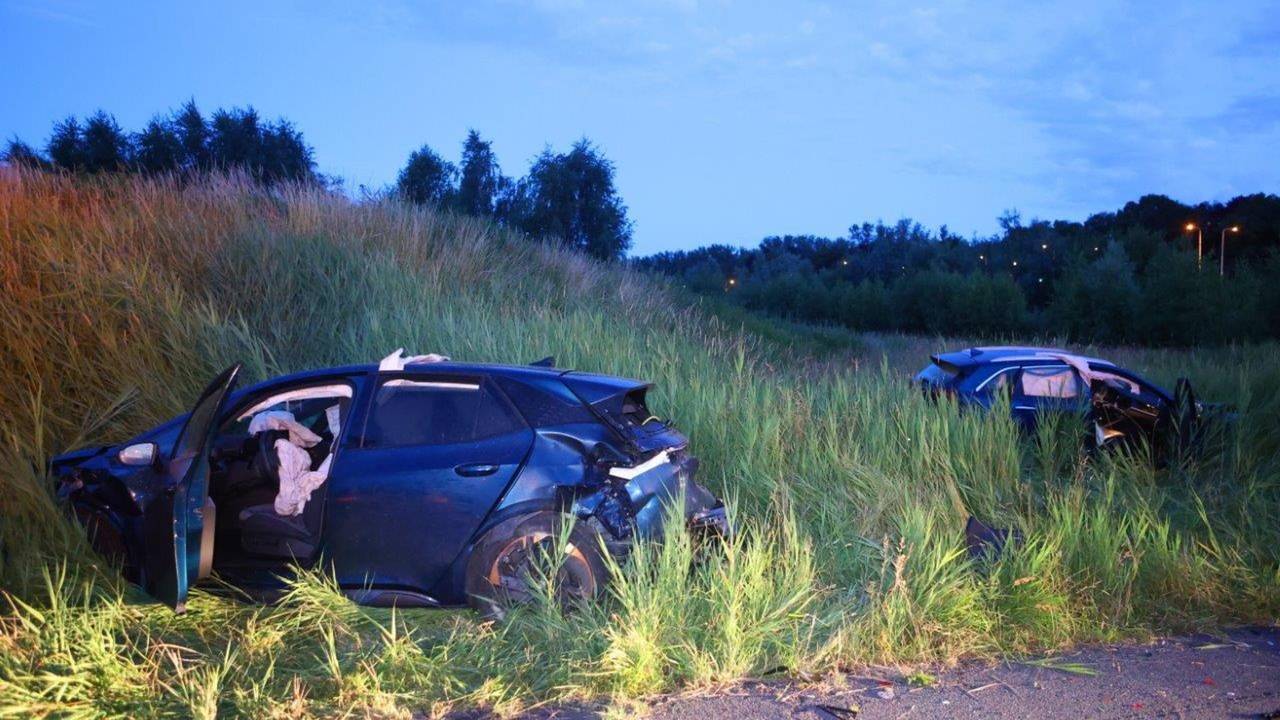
(1222, 249)
(1199, 241)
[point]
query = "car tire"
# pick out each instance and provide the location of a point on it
(498, 569)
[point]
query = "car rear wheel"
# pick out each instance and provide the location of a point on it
(514, 557)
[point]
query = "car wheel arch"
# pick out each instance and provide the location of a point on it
(588, 562)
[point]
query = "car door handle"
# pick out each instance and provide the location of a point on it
(476, 469)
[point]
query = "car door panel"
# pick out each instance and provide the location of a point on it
(397, 517)
(176, 519)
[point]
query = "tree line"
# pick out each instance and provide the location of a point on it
(1130, 276)
(1133, 275)
(182, 142)
(566, 197)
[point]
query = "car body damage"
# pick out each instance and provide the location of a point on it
(418, 481)
(1121, 408)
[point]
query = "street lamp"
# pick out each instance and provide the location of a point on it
(1222, 249)
(1199, 241)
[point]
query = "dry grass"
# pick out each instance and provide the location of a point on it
(120, 297)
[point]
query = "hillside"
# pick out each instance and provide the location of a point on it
(120, 297)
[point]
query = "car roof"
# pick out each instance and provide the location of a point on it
(974, 356)
(516, 371)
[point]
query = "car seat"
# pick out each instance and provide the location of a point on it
(262, 531)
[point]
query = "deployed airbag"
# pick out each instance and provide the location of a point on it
(396, 361)
(1049, 383)
(297, 479)
(299, 434)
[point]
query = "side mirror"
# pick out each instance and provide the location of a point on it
(139, 454)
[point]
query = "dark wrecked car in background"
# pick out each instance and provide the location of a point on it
(416, 482)
(1122, 409)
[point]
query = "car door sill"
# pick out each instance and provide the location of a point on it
(388, 597)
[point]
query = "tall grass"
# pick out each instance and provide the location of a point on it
(120, 297)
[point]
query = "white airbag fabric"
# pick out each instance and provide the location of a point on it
(396, 361)
(299, 434)
(307, 393)
(297, 479)
(1049, 383)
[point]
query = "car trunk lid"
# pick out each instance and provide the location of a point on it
(621, 404)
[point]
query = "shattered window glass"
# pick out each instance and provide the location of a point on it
(1049, 382)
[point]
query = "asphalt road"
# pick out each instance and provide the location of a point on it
(1235, 676)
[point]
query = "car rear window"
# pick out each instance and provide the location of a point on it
(414, 412)
(936, 374)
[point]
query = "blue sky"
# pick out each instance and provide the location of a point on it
(727, 121)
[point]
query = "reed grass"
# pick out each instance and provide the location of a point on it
(119, 297)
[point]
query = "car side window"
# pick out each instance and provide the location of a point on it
(999, 384)
(307, 404)
(1052, 381)
(419, 412)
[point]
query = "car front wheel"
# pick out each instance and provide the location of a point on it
(513, 560)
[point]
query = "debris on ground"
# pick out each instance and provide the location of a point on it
(1071, 667)
(985, 542)
(837, 712)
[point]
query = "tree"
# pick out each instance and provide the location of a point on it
(158, 148)
(270, 152)
(106, 148)
(1157, 213)
(66, 145)
(481, 181)
(1098, 301)
(427, 178)
(284, 155)
(235, 140)
(571, 197)
(21, 154)
(1178, 300)
(193, 135)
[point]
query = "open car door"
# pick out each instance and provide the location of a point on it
(178, 521)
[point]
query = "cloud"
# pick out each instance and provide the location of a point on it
(70, 13)
(1251, 114)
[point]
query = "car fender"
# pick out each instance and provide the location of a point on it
(450, 588)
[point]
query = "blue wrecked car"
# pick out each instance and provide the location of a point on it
(1121, 408)
(416, 481)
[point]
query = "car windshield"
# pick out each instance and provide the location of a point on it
(935, 374)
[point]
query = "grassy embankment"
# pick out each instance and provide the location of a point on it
(119, 298)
